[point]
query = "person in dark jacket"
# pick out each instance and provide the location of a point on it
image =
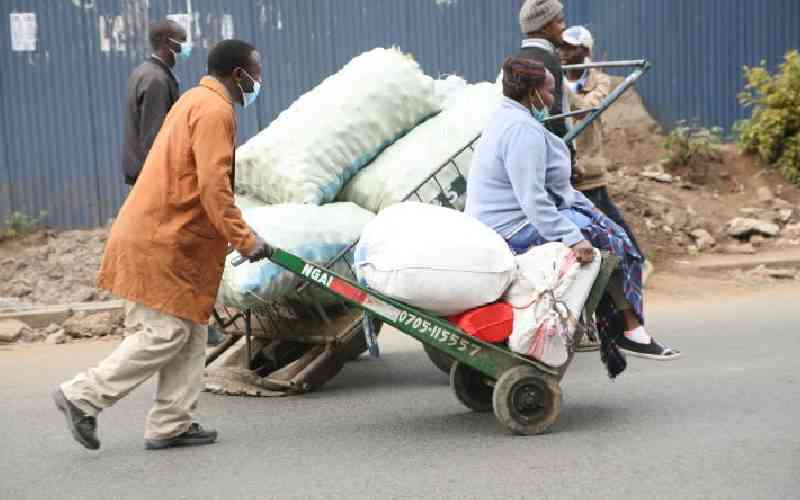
(152, 90)
(542, 23)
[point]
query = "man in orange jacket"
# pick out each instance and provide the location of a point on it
(165, 256)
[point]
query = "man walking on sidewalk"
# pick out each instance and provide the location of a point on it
(152, 90)
(165, 255)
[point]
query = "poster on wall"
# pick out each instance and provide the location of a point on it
(23, 31)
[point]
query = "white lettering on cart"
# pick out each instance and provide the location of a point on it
(441, 335)
(317, 275)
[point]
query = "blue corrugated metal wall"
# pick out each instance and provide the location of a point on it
(698, 48)
(61, 132)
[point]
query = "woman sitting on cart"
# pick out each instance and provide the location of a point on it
(519, 185)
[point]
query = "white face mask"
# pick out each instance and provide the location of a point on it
(540, 114)
(249, 98)
(185, 51)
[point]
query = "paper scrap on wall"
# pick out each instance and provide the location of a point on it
(23, 31)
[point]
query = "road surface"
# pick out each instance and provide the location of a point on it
(720, 423)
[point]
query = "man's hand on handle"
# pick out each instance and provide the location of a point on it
(584, 252)
(261, 251)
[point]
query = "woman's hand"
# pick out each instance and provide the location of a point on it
(584, 252)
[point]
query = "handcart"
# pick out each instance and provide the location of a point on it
(524, 393)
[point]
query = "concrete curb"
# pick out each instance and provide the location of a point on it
(721, 262)
(40, 317)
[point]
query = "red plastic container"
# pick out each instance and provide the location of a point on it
(492, 323)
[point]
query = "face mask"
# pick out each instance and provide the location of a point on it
(185, 52)
(249, 98)
(540, 114)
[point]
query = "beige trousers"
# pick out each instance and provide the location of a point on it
(162, 344)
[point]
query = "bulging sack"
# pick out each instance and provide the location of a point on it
(407, 163)
(434, 258)
(315, 146)
(317, 234)
(548, 295)
(246, 202)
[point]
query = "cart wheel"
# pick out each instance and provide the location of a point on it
(357, 345)
(526, 401)
(441, 360)
(471, 387)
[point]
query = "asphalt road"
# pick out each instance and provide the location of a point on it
(721, 423)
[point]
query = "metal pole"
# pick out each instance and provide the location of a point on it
(638, 63)
(571, 113)
(608, 101)
(248, 335)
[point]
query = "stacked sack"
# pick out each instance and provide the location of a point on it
(317, 234)
(433, 258)
(412, 159)
(325, 137)
(448, 263)
(379, 114)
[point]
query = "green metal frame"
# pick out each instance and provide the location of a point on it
(491, 360)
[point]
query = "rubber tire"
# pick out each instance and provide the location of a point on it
(470, 388)
(507, 404)
(439, 359)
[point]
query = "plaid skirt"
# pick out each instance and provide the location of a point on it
(603, 234)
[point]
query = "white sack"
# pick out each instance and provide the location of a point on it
(315, 146)
(548, 295)
(434, 258)
(243, 202)
(404, 165)
(316, 234)
(448, 88)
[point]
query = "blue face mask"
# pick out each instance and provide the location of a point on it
(249, 98)
(185, 51)
(540, 114)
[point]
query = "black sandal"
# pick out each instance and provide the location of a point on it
(653, 350)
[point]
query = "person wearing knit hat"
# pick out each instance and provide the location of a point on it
(536, 15)
(542, 23)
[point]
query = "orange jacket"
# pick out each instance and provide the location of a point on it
(167, 247)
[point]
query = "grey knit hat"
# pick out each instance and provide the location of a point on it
(535, 14)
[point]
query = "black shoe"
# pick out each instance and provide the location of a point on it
(195, 436)
(653, 350)
(82, 426)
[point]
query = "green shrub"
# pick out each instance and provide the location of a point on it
(688, 143)
(19, 224)
(773, 130)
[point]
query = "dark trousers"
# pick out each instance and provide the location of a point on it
(599, 197)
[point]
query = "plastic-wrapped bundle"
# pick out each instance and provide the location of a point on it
(404, 165)
(317, 234)
(315, 146)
